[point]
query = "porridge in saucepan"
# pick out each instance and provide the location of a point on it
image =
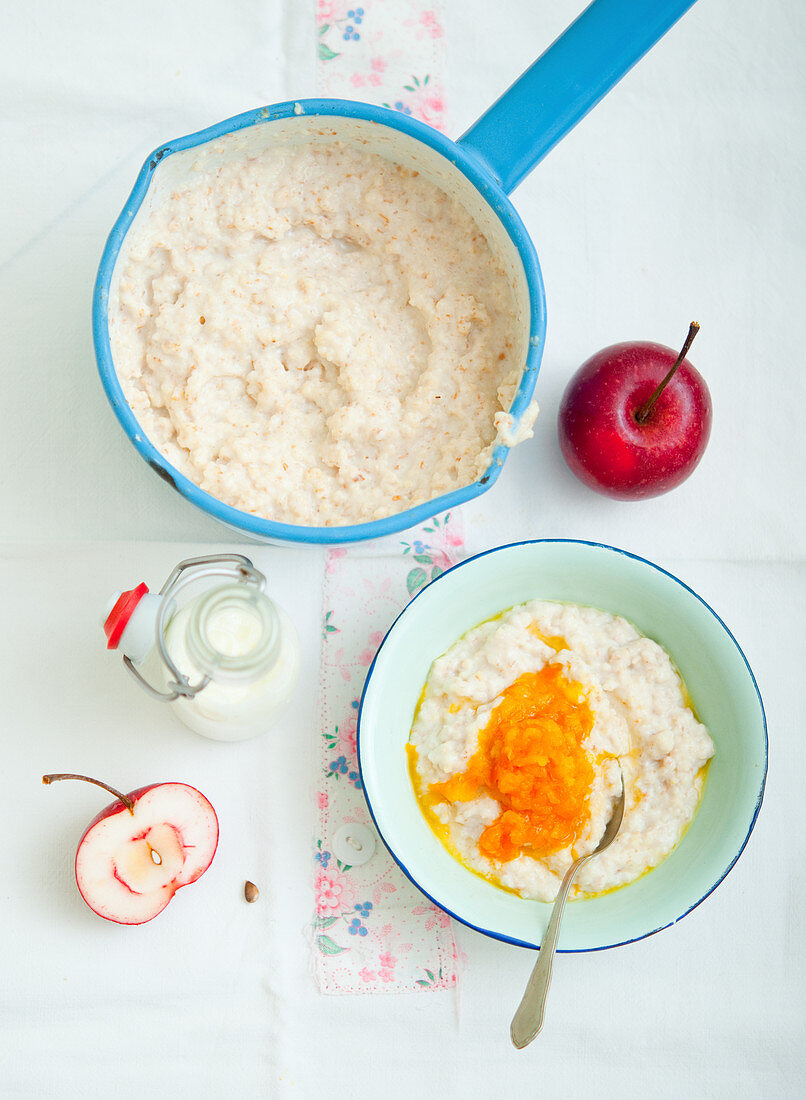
(316, 335)
(517, 742)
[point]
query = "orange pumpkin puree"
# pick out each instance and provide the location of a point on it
(531, 760)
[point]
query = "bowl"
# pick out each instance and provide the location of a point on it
(398, 138)
(724, 694)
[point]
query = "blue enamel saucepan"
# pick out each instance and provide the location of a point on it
(479, 170)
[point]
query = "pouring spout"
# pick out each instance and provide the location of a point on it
(565, 82)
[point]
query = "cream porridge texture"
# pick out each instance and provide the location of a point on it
(316, 335)
(639, 716)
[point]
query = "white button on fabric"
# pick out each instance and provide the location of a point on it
(353, 844)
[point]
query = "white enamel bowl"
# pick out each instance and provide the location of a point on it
(724, 693)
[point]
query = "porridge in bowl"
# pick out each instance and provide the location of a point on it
(523, 729)
(314, 334)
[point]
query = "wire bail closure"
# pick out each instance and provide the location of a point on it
(236, 567)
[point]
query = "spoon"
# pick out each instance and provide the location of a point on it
(528, 1020)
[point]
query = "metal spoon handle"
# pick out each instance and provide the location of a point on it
(528, 1019)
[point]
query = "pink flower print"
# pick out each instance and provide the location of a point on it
(347, 740)
(378, 67)
(322, 800)
(430, 108)
(366, 657)
(431, 24)
(384, 888)
(367, 975)
(442, 559)
(333, 894)
(446, 545)
(332, 557)
(327, 10)
(387, 970)
(435, 917)
(427, 26)
(425, 102)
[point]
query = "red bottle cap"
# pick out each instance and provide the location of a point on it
(121, 613)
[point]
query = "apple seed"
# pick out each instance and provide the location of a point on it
(250, 891)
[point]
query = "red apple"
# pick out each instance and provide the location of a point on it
(142, 848)
(635, 419)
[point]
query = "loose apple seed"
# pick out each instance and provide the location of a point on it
(250, 891)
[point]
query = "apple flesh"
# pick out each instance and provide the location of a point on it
(605, 441)
(141, 849)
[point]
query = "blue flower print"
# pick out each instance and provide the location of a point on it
(355, 780)
(351, 33)
(339, 766)
(356, 928)
(399, 105)
(363, 909)
(323, 858)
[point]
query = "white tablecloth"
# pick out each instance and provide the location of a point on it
(679, 197)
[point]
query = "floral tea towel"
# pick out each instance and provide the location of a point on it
(390, 52)
(372, 930)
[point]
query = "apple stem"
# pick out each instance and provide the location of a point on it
(642, 414)
(124, 798)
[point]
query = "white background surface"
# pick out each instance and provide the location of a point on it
(680, 196)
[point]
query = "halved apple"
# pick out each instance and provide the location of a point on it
(141, 849)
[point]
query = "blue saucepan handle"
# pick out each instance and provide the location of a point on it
(565, 82)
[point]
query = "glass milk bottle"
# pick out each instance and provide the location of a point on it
(227, 660)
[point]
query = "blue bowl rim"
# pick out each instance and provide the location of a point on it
(645, 561)
(257, 526)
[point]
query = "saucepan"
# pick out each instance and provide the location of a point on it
(479, 170)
